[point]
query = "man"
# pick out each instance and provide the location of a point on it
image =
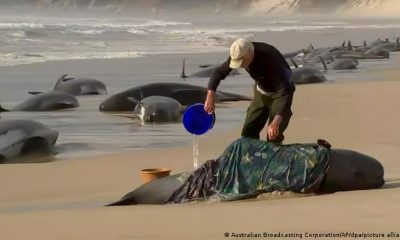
(273, 90)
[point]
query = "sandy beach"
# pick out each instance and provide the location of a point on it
(98, 156)
(64, 199)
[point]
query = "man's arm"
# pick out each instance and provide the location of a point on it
(284, 103)
(220, 73)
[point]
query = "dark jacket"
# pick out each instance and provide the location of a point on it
(269, 70)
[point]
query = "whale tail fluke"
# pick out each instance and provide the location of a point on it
(3, 110)
(183, 75)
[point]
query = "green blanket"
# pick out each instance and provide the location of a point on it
(249, 167)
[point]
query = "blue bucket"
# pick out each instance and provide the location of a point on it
(196, 120)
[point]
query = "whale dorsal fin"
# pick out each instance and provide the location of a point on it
(139, 107)
(141, 95)
(67, 79)
(61, 79)
(294, 63)
(397, 44)
(344, 44)
(349, 46)
(365, 43)
(183, 75)
(323, 62)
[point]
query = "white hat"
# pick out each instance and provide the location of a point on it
(239, 49)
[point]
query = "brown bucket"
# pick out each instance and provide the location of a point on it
(154, 173)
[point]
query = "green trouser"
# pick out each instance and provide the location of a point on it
(261, 109)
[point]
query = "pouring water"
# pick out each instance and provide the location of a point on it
(197, 122)
(195, 152)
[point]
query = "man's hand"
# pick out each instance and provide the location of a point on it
(209, 105)
(273, 128)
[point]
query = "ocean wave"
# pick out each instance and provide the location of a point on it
(156, 26)
(324, 27)
(157, 23)
(332, 25)
(104, 31)
(284, 21)
(18, 34)
(19, 40)
(373, 26)
(31, 40)
(326, 23)
(48, 23)
(13, 25)
(216, 32)
(185, 29)
(88, 31)
(95, 44)
(11, 59)
(123, 25)
(120, 25)
(138, 32)
(123, 38)
(8, 56)
(32, 55)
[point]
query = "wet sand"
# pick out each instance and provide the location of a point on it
(63, 199)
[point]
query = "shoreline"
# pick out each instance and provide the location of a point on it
(115, 71)
(310, 126)
(64, 199)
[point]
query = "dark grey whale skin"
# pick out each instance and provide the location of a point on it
(47, 101)
(81, 86)
(159, 109)
(348, 170)
(307, 75)
(78, 86)
(185, 94)
(18, 137)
